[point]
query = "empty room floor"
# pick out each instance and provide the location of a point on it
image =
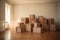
(10, 35)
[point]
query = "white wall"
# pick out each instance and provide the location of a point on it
(58, 15)
(12, 16)
(47, 10)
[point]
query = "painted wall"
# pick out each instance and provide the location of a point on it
(58, 15)
(12, 16)
(47, 10)
(2, 14)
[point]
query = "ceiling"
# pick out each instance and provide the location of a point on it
(30, 1)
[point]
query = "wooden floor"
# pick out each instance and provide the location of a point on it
(8, 35)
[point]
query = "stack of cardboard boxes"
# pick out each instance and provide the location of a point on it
(43, 22)
(31, 22)
(37, 25)
(34, 25)
(52, 24)
(22, 27)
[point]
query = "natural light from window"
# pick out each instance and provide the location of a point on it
(7, 13)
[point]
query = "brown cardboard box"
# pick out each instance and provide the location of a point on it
(40, 18)
(22, 27)
(32, 18)
(43, 22)
(28, 27)
(45, 27)
(27, 20)
(51, 21)
(37, 29)
(37, 20)
(18, 29)
(52, 27)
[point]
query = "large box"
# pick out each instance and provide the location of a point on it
(27, 20)
(28, 27)
(52, 27)
(51, 21)
(37, 29)
(45, 27)
(22, 27)
(42, 20)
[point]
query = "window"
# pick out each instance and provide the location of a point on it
(7, 13)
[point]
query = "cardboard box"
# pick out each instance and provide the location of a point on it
(29, 27)
(40, 18)
(51, 21)
(32, 18)
(37, 20)
(22, 27)
(27, 20)
(35, 24)
(18, 29)
(37, 29)
(44, 24)
(52, 27)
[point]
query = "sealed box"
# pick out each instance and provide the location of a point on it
(37, 29)
(52, 27)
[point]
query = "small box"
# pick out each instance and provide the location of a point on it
(18, 29)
